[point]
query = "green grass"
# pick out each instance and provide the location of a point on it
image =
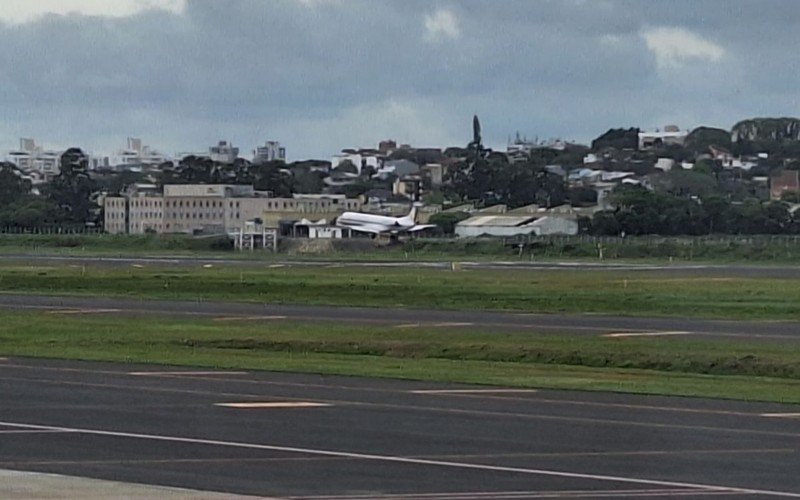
(765, 371)
(640, 293)
(718, 248)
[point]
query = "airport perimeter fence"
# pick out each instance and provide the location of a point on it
(733, 247)
(51, 230)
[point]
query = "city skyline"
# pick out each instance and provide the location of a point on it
(322, 75)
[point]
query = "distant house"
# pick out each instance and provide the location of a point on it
(400, 168)
(788, 180)
(671, 135)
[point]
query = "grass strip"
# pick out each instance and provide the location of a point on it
(642, 293)
(747, 370)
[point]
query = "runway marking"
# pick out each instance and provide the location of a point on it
(611, 453)
(248, 318)
(521, 495)
(493, 324)
(31, 431)
(83, 311)
(645, 334)
(183, 373)
(472, 391)
(274, 404)
(408, 460)
(434, 325)
(344, 402)
(7, 463)
(781, 415)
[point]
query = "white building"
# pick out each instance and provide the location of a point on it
(670, 135)
(270, 151)
(136, 154)
(359, 160)
(32, 158)
(223, 152)
(211, 208)
(515, 225)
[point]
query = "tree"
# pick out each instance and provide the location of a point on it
(271, 176)
(72, 190)
(346, 167)
(699, 139)
(13, 187)
(307, 182)
(617, 138)
(447, 220)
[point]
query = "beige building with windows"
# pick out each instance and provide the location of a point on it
(212, 209)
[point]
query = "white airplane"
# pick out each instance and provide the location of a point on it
(381, 224)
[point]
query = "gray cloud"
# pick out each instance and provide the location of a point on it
(322, 75)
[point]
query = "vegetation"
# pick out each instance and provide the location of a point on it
(692, 208)
(701, 138)
(580, 291)
(618, 138)
(68, 201)
(686, 366)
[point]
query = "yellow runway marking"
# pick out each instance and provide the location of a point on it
(184, 373)
(644, 334)
(248, 318)
(273, 404)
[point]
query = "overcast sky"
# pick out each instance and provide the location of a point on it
(322, 75)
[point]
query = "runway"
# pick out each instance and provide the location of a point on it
(524, 323)
(324, 437)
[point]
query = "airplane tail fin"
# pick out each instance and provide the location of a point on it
(412, 214)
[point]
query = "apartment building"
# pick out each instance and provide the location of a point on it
(212, 208)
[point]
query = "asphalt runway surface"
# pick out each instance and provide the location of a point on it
(309, 436)
(696, 269)
(501, 322)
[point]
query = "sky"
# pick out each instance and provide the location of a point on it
(322, 75)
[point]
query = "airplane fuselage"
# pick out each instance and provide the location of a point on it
(381, 224)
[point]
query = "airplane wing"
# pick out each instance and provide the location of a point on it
(420, 227)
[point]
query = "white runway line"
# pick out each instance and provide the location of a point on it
(781, 415)
(31, 431)
(645, 334)
(83, 311)
(274, 404)
(413, 461)
(183, 373)
(433, 325)
(248, 318)
(472, 391)
(521, 495)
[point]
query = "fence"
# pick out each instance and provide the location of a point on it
(51, 230)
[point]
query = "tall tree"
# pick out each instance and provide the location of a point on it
(72, 191)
